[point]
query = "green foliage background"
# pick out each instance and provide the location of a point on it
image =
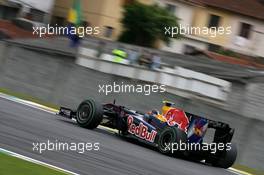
(145, 24)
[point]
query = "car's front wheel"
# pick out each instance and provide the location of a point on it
(89, 114)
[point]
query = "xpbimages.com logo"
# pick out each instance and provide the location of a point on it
(60, 30)
(80, 147)
(173, 31)
(145, 89)
(212, 147)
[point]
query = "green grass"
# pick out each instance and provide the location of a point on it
(28, 98)
(248, 170)
(10, 165)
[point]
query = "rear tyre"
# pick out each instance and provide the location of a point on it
(89, 114)
(168, 138)
(227, 158)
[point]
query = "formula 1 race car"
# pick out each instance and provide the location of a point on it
(173, 132)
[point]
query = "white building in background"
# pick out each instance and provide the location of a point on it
(42, 5)
(184, 11)
(39, 10)
(246, 22)
(247, 36)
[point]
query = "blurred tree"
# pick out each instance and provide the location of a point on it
(144, 25)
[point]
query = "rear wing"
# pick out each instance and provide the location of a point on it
(223, 132)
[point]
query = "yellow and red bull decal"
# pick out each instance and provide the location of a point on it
(176, 116)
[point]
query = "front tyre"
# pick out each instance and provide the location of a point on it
(89, 114)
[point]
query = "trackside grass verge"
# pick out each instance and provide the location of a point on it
(50, 105)
(28, 98)
(14, 166)
(247, 169)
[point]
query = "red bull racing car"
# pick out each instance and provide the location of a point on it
(173, 132)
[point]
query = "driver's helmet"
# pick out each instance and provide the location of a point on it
(167, 105)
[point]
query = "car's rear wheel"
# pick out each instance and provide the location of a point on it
(89, 114)
(226, 159)
(169, 138)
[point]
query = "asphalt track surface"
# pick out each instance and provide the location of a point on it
(21, 125)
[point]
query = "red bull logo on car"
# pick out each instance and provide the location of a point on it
(140, 130)
(175, 116)
(197, 130)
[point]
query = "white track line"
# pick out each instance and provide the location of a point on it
(55, 111)
(239, 172)
(35, 161)
(29, 103)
